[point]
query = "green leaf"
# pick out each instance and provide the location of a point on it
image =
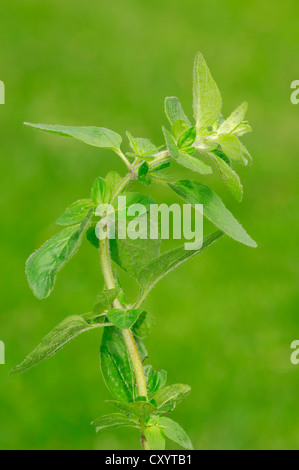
(95, 136)
(174, 110)
(124, 318)
(214, 209)
(76, 212)
(187, 137)
(242, 129)
(155, 438)
(116, 365)
(175, 433)
(141, 147)
(104, 301)
(185, 159)
(171, 395)
(144, 325)
(113, 421)
(91, 235)
(178, 127)
(160, 167)
(143, 176)
(62, 334)
(132, 255)
(142, 409)
(234, 120)
(44, 264)
(230, 177)
(234, 149)
(207, 100)
(154, 271)
(113, 180)
(154, 380)
(100, 192)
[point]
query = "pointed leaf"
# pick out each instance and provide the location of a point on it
(155, 438)
(184, 159)
(95, 136)
(124, 318)
(142, 147)
(230, 177)
(100, 192)
(43, 265)
(242, 129)
(116, 365)
(154, 380)
(187, 137)
(142, 409)
(113, 421)
(207, 100)
(165, 263)
(104, 300)
(144, 325)
(174, 110)
(234, 120)
(113, 180)
(214, 209)
(62, 334)
(234, 149)
(76, 212)
(175, 432)
(171, 395)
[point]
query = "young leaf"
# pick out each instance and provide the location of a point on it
(144, 325)
(143, 176)
(184, 159)
(178, 128)
(233, 149)
(116, 365)
(62, 334)
(155, 438)
(174, 110)
(234, 120)
(43, 265)
(214, 209)
(175, 432)
(171, 395)
(142, 409)
(230, 176)
(95, 136)
(113, 180)
(187, 138)
(100, 192)
(207, 100)
(104, 300)
(76, 212)
(154, 380)
(142, 147)
(154, 271)
(113, 421)
(242, 129)
(124, 318)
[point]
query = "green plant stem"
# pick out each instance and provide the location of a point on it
(127, 334)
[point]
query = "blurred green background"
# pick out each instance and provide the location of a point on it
(225, 320)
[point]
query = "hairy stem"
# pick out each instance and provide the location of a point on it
(127, 334)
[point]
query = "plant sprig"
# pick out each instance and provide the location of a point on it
(141, 397)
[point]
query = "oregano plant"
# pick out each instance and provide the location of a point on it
(142, 399)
